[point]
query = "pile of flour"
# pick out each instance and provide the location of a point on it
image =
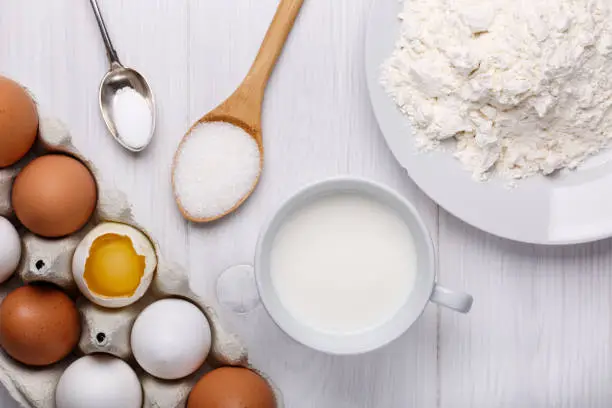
(515, 87)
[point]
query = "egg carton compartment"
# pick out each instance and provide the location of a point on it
(103, 330)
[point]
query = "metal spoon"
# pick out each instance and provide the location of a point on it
(119, 77)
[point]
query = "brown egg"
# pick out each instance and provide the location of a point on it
(39, 325)
(231, 387)
(54, 195)
(18, 122)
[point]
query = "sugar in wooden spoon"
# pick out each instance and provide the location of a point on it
(219, 161)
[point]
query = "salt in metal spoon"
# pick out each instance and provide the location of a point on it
(119, 77)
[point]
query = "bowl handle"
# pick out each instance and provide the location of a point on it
(458, 301)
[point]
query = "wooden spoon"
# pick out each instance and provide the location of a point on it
(243, 107)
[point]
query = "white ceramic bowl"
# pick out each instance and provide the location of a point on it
(425, 288)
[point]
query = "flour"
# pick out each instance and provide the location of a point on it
(513, 87)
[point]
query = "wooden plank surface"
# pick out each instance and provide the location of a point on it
(539, 334)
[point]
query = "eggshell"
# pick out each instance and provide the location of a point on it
(54, 195)
(18, 122)
(231, 387)
(171, 339)
(10, 249)
(141, 245)
(39, 325)
(99, 381)
(171, 280)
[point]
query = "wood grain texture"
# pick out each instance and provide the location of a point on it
(539, 333)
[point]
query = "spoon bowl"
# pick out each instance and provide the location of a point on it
(117, 78)
(212, 117)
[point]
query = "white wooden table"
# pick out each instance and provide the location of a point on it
(540, 329)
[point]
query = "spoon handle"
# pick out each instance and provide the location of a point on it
(273, 43)
(245, 104)
(110, 50)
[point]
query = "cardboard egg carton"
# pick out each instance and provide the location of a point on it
(103, 330)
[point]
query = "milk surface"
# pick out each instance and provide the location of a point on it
(343, 264)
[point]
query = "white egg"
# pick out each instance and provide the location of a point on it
(98, 381)
(114, 265)
(171, 339)
(10, 249)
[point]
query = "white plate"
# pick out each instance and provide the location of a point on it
(571, 207)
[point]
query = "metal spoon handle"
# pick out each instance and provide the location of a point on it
(110, 50)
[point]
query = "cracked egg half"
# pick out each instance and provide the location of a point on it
(114, 264)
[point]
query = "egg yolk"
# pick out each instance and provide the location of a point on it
(113, 268)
